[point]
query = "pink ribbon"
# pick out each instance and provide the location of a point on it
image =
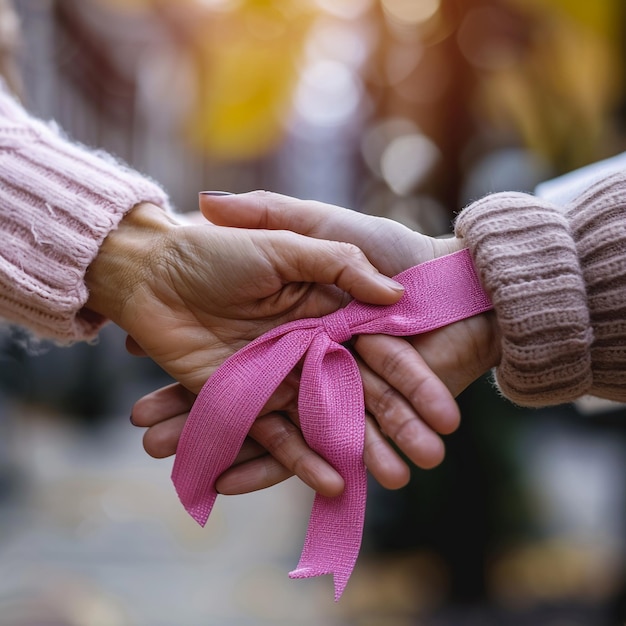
(330, 403)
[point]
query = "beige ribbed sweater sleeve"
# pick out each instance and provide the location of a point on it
(557, 279)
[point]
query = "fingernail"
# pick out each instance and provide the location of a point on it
(216, 193)
(394, 284)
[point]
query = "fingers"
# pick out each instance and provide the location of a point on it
(275, 450)
(404, 398)
(284, 442)
(162, 404)
(391, 246)
(161, 440)
(461, 352)
(382, 461)
(312, 258)
(380, 458)
(164, 412)
(260, 473)
(262, 209)
(280, 452)
(403, 369)
(410, 404)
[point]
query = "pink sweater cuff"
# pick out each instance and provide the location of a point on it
(59, 202)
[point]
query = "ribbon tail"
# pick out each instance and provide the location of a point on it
(333, 538)
(332, 417)
(223, 413)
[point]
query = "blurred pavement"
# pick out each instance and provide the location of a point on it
(94, 536)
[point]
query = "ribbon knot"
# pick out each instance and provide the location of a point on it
(337, 326)
(330, 403)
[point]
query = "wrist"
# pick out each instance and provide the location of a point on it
(119, 272)
(478, 336)
(487, 349)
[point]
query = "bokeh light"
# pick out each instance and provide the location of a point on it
(345, 9)
(411, 12)
(220, 5)
(378, 136)
(407, 161)
(337, 40)
(328, 93)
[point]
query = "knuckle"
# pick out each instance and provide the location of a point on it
(376, 445)
(423, 391)
(351, 250)
(261, 196)
(383, 406)
(405, 431)
(262, 200)
(393, 365)
(298, 464)
(277, 437)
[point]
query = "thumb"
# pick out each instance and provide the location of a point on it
(300, 259)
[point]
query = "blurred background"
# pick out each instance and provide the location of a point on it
(404, 108)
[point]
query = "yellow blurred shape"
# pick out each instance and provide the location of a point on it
(246, 74)
(600, 16)
(559, 92)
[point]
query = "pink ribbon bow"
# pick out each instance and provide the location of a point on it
(330, 403)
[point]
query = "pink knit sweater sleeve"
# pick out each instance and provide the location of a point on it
(557, 279)
(58, 202)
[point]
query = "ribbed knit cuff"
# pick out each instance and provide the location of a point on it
(59, 202)
(528, 263)
(598, 222)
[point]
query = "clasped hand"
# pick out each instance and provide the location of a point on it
(409, 385)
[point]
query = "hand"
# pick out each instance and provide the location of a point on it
(415, 406)
(469, 348)
(190, 296)
(275, 449)
(411, 413)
